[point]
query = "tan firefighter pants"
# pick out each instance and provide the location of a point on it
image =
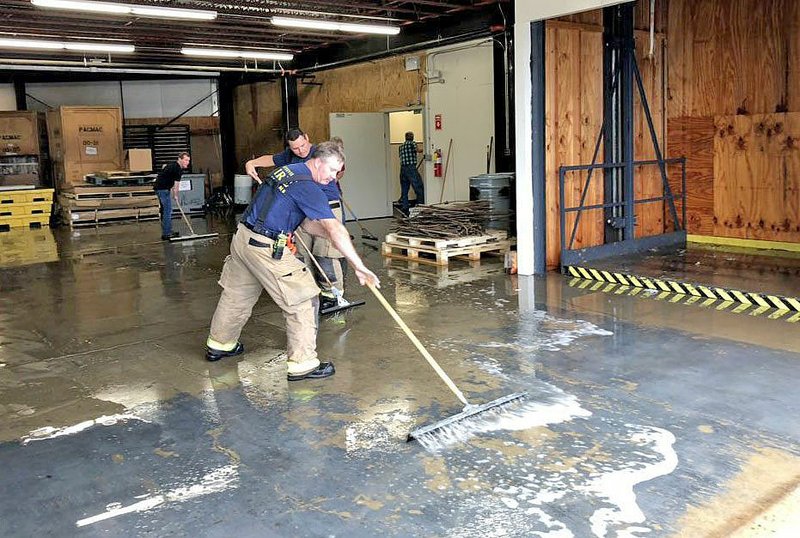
(251, 268)
(332, 262)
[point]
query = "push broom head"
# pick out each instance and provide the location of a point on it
(192, 237)
(340, 307)
(462, 425)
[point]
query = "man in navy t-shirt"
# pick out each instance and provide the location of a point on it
(290, 196)
(298, 151)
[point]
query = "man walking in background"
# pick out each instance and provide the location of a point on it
(166, 187)
(409, 175)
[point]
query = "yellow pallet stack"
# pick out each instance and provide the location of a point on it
(29, 208)
(20, 246)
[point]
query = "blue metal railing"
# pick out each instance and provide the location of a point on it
(628, 204)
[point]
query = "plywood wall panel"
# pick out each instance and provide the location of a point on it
(258, 120)
(693, 138)
(551, 154)
(757, 191)
(568, 71)
(732, 56)
(368, 87)
(792, 22)
(573, 117)
(647, 179)
(735, 65)
(591, 229)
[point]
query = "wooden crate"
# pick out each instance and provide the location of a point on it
(424, 250)
(22, 132)
(84, 140)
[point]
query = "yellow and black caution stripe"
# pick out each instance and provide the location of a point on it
(756, 304)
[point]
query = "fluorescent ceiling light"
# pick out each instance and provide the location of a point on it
(318, 24)
(30, 44)
(128, 9)
(64, 45)
(232, 53)
(98, 47)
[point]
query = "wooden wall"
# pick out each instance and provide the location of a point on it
(573, 118)
(733, 99)
(258, 120)
(366, 87)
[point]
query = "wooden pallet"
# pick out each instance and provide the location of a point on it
(106, 193)
(34, 221)
(26, 210)
(126, 202)
(441, 256)
(77, 218)
(491, 236)
(28, 196)
(120, 178)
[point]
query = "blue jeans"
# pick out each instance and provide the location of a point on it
(165, 199)
(409, 177)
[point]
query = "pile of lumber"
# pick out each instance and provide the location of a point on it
(452, 219)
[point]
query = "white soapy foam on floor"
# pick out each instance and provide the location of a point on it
(382, 433)
(644, 453)
(490, 366)
(216, 481)
(525, 414)
(598, 468)
(617, 486)
(49, 432)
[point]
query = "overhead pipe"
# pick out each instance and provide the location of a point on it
(205, 70)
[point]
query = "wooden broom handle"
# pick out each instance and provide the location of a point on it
(189, 224)
(418, 345)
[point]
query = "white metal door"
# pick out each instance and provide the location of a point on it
(364, 183)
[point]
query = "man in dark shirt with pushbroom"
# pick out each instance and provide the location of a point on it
(166, 188)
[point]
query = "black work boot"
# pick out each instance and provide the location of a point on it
(325, 369)
(214, 355)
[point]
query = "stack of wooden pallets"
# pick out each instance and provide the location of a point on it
(439, 251)
(25, 208)
(91, 206)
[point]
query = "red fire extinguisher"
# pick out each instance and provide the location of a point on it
(437, 162)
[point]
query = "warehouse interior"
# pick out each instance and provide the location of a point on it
(610, 225)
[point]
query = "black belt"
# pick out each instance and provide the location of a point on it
(334, 204)
(266, 233)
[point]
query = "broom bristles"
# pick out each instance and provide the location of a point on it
(457, 424)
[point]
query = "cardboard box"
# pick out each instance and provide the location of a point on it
(22, 132)
(139, 160)
(84, 140)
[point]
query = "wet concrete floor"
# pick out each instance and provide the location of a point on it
(644, 418)
(746, 269)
